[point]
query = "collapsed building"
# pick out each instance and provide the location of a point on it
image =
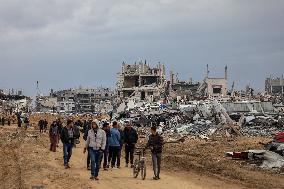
(73, 100)
(14, 101)
(181, 89)
(214, 87)
(140, 81)
(274, 85)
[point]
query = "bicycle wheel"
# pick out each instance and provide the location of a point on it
(143, 170)
(136, 169)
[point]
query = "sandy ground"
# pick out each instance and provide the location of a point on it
(26, 162)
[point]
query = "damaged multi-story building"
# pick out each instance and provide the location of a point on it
(141, 81)
(75, 99)
(14, 101)
(274, 85)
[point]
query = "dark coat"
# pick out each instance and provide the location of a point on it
(155, 143)
(130, 136)
(65, 136)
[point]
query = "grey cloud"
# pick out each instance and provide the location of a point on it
(70, 42)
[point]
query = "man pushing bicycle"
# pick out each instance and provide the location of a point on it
(155, 143)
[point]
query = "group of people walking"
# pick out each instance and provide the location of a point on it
(104, 145)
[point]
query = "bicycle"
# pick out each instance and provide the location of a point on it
(140, 163)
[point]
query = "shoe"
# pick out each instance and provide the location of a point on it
(131, 166)
(118, 167)
(105, 169)
(66, 166)
(107, 166)
(155, 178)
(126, 165)
(92, 177)
(96, 178)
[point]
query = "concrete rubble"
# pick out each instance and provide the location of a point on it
(263, 158)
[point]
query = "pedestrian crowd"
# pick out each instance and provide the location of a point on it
(104, 144)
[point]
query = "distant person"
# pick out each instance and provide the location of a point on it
(41, 125)
(53, 136)
(45, 125)
(121, 145)
(67, 138)
(114, 144)
(106, 128)
(76, 135)
(9, 120)
(130, 140)
(155, 143)
(60, 127)
(95, 143)
(87, 127)
(3, 121)
(19, 121)
(27, 122)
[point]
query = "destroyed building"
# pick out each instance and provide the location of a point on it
(185, 89)
(214, 86)
(14, 101)
(274, 85)
(79, 99)
(140, 81)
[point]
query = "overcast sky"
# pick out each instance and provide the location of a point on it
(67, 43)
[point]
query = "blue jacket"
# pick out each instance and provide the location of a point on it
(114, 138)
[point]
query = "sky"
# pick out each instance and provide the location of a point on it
(68, 43)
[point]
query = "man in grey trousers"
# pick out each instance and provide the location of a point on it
(155, 143)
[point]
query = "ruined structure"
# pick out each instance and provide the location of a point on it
(140, 81)
(75, 99)
(184, 89)
(274, 85)
(214, 87)
(14, 101)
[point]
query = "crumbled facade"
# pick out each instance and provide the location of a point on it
(14, 101)
(140, 81)
(214, 87)
(75, 99)
(274, 85)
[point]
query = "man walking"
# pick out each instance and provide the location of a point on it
(121, 145)
(45, 125)
(53, 136)
(67, 138)
(60, 127)
(41, 125)
(106, 128)
(130, 140)
(155, 143)
(87, 127)
(114, 144)
(95, 143)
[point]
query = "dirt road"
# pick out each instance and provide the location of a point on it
(26, 162)
(122, 178)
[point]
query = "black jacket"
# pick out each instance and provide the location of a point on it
(86, 131)
(121, 137)
(130, 136)
(65, 138)
(155, 143)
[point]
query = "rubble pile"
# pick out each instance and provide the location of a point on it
(203, 119)
(262, 126)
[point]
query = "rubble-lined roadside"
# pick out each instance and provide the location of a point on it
(208, 157)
